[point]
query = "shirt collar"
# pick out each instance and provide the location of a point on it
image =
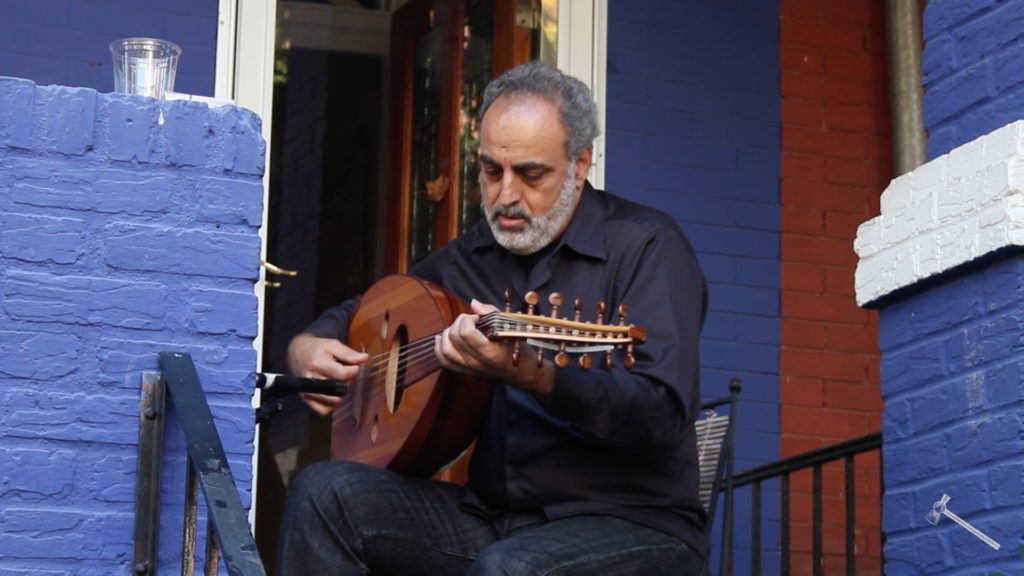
(585, 233)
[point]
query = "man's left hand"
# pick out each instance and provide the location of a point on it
(465, 349)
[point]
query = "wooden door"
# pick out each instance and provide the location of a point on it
(443, 53)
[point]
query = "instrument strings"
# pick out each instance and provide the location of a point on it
(422, 350)
(419, 349)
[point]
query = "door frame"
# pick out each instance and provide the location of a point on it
(249, 28)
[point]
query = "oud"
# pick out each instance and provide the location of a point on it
(403, 411)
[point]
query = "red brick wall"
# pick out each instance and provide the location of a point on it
(836, 160)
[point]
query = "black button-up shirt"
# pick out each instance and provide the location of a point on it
(618, 442)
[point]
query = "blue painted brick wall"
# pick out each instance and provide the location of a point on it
(120, 236)
(65, 42)
(693, 128)
(952, 351)
(954, 411)
(973, 68)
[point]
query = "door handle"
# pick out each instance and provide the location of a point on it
(273, 268)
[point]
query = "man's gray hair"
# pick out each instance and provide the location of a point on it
(576, 106)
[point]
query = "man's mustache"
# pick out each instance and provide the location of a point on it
(511, 212)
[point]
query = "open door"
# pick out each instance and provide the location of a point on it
(372, 166)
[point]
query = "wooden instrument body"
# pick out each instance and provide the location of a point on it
(403, 412)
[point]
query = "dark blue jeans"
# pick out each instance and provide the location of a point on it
(345, 518)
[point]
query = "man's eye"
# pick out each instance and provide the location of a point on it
(492, 172)
(530, 176)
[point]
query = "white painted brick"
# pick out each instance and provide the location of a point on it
(954, 209)
(996, 183)
(956, 243)
(868, 276)
(869, 237)
(897, 193)
(1004, 143)
(959, 197)
(928, 261)
(1015, 215)
(931, 174)
(895, 228)
(993, 229)
(1015, 172)
(966, 160)
(924, 213)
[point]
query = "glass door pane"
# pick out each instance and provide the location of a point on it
(425, 177)
(443, 54)
(477, 48)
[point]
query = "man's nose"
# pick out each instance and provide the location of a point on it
(509, 192)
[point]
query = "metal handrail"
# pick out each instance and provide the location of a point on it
(227, 531)
(804, 460)
(782, 469)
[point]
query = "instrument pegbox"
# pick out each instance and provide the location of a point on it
(563, 336)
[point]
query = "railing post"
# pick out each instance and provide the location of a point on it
(784, 520)
(209, 463)
(147, 483)
(735, 387)
(188, 531)
(755, 545)
(851, 520)
(816, 555)
(212, 549)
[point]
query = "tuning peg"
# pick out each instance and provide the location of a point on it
(608, 359)
(508, 300)
(561, 359)
(577, 306)
(555, 299)
(515, 353)
(585, 361)
(531, 298)
(629, 360)
(540, 357)
(623, 313)
(600, 312)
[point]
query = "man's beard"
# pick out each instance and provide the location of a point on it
(535, 232)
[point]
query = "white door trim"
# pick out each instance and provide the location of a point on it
(583, 53)
(246, 27)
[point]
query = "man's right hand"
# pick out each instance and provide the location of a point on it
(312, 357)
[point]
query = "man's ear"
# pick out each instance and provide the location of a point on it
(582, 166)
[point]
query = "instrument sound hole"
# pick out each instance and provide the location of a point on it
(397, 368)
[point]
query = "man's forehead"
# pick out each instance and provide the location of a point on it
(530, 164)
(519, 107)
(518, 125)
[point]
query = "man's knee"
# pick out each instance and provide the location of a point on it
(498, 560)
(327, 479)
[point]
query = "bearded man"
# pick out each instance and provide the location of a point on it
(574, 471)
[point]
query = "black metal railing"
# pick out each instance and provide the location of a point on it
(722, 482)
(227, 528)
(783, 469)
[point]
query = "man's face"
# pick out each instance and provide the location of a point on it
(530, 190)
